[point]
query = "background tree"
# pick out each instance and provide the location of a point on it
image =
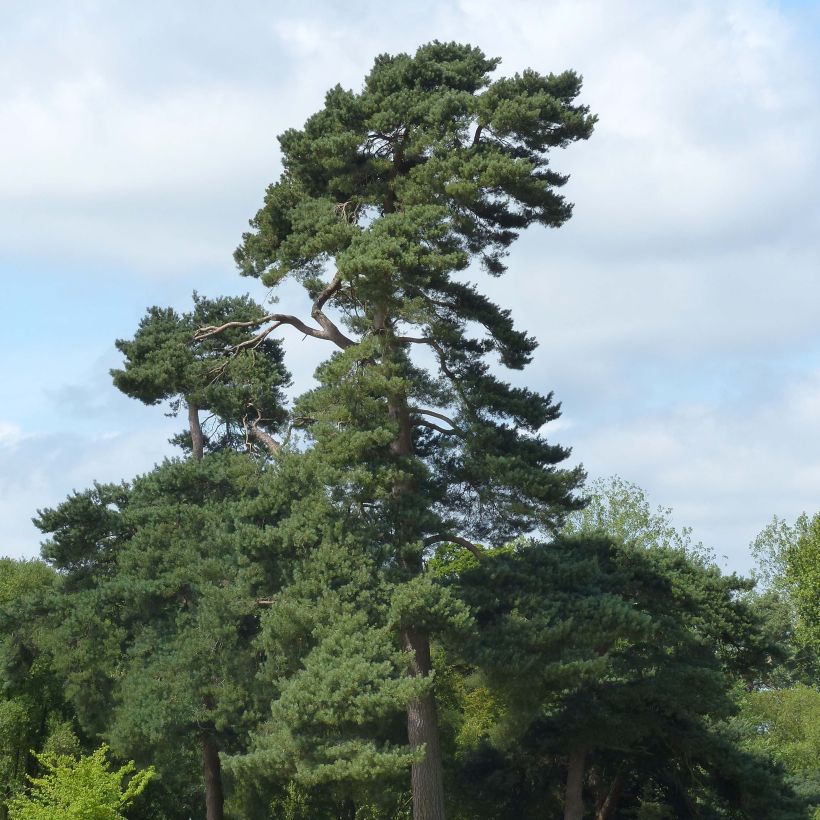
(156, 638)
(386, 196)
(32, 706)
(242, 395)
(83, 789)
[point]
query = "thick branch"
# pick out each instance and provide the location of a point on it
(277, 318)
(477, 135)
(252, 430)
(415, 340)
(330, 330)
(455, 539)
(265, 439)
(434, 413)
(334, 287)
(433, 426)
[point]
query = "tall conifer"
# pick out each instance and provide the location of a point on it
(386, 198)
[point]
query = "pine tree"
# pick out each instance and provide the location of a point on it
(162, 577)
(386, 198)
(242, 394)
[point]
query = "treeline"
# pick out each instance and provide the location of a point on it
(392, 599)
(591, 676)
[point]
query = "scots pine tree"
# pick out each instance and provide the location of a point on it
(162, 577)
(389, 199)
(242, 395)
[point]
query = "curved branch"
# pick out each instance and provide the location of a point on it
(252, 430)
(415, 340)
(330, 330)
(433, 426)
(454, 539)
(434, 413)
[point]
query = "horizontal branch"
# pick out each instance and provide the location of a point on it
(415, 340)
(455, 539)
(434, 413)
(433, 426)
(330, 334)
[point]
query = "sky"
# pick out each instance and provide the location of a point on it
(677, 311)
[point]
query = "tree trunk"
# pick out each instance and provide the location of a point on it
(197, 437)
(607, 808)
(265, 439)
(212, 773)
(574, 796)
(426, 777)
(422, 728)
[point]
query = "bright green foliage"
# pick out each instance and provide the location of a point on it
(619, 509)
(787, 559)
(163, 362)
(802, 575)
(771, 547)
(785, 725)
(31, 699)
(789, 725)
(84, 789)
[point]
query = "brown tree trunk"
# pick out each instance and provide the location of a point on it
(574, 796)
(197, 437)
(607, 808)
(422, 728)
(265, 439)
(426, 777)
(212, 774)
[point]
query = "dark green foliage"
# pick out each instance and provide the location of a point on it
(33, 712)
(398, 187)
(156, 647)
(630, 654)
(163, 362)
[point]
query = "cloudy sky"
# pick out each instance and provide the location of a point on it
(677, 311)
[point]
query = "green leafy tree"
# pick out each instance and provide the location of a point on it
(387, 195)
(84, 789)
(616, 653)
(802, 576)
(784, 724)
(32, 706)
(619, 509)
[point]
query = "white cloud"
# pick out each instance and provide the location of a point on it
(10, 434)
(676, 310)
(724, 471)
